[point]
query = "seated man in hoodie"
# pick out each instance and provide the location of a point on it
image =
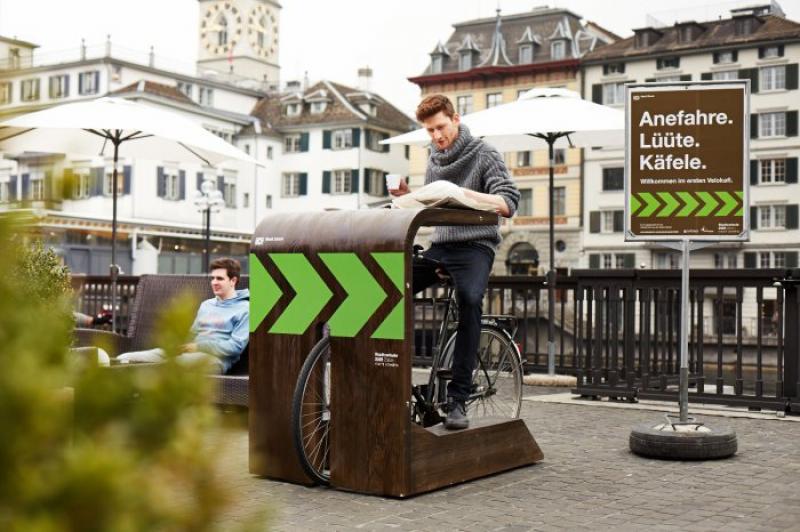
(221, 328)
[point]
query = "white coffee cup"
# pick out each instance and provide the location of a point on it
(393, 181)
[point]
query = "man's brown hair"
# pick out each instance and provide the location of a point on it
(231, 266)
(433, 104)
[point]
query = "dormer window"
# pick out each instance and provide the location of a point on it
(645, 37)
(525, 54)
(369, 108)
(292, 109)
(467, 54)
(689, 31)
(558, 49)
(465, 61)
(666, 63)
(746, 25)
(318, 107)
(436, 64)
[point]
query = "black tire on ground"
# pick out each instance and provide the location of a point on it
(719, 442)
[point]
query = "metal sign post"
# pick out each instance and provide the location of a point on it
(686, 175)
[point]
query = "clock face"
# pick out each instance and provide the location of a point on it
(262, 29)
(221, 27)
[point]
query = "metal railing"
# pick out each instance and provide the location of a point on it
(618, 332)
(93, 296)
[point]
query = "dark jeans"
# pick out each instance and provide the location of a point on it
(468, 265)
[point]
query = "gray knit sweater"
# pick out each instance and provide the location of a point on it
(472, 164)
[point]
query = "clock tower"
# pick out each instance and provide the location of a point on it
(240, 37)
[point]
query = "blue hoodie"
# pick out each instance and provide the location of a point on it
(222, 327)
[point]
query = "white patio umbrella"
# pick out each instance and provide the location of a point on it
(555, 117)
(94, 126)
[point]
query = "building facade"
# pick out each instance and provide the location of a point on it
(487, 62)
(317, 144)
(758, 44)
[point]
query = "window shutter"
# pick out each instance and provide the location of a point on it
(791, 76)
(594, 222)
(749, 259)
(753, 217)
(791, 259)
(69, 183)
(735, 55)
(716, 57)
(753, 126)
(303, 142)
(705, 76)
(752, 75)
(629, 261)
(26, 186)
(619, 221)
(326, 182)
(605, 70)
(791, 123)
(594, 260)
(303, 184)
(354, 179)
(221, 183)
(356, 137)
(761, 52)
(385, 147)
(326, 139)
(182, 184)
(368, 138)
(48, 185)
(753, 172)
(161, 182)
(780, 50)
(597, 93)
(127, 174)
(80, 83)
(385, 188)
(791, 216)
(12, 189)
(791, 170)
(98, 174)
(200, 180)
(685, 77)
(367, 179)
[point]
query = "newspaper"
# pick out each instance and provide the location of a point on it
(440, 194)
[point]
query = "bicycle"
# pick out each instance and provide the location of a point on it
(496, 381)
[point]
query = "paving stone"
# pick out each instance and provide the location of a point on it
(588, 481)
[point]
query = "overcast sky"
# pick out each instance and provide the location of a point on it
(327, 39)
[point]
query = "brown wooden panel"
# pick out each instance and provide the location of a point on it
(440, 457)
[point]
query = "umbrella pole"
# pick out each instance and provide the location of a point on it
(551, 275)
(113, 270)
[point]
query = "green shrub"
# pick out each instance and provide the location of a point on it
(100, 448)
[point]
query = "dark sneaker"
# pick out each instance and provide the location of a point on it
(456, 415)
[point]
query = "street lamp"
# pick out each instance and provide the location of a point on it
(208, 199)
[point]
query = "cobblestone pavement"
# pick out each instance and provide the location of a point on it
(587, 481)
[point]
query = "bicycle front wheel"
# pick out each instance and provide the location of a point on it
(311, 413)
(497, 378)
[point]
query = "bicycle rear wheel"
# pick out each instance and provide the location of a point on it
(497, 378)
(311, 413)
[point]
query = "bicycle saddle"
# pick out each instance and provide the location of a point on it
(441, 269)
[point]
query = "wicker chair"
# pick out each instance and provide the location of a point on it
(152, 292)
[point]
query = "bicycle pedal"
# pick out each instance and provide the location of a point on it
(444, 374)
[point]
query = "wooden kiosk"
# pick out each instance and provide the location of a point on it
(374, 446)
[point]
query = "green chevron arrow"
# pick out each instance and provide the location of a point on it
(709, 204)
(740, 195)
(264, 292)
(393, 327)
(729, 203)
(364, 294)
(312, 293)
(670, 204)
(634, 205)
(690, 204)
(652, 204)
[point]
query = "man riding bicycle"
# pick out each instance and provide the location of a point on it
(466, 251)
